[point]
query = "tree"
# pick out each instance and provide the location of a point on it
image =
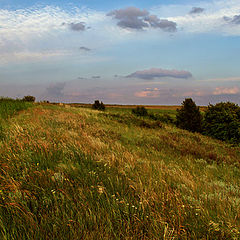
(29, 98)
(97, 105)
(140, 111)
(189, 116)
(222, 121)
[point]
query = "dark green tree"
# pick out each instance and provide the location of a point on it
(29, 98)
(222, 121)
(189, 116)
(98, 105)
(140, 111)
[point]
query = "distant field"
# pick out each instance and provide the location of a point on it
(152, 107)
(78, 173)
(160, 107)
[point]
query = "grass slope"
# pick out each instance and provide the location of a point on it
(76, 173)
(9, 107)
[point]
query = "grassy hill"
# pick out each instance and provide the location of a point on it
(76, 173)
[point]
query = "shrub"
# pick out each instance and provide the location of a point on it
(222, 121)
(165, 118)
(140, 111)
(98, 105)
(29, 99)
(189, 116)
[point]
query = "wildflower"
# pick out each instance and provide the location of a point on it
(100, 189)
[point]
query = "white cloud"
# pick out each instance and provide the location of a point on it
(40, 33)
(211, 20)
(45, 32)
(148, 93)
(224, 90)
(31, 55)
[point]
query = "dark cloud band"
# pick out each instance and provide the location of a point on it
(233, 20)
(196, 10)
(85, 49)
(152, 73)
(77, 26)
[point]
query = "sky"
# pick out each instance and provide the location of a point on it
(121, 52)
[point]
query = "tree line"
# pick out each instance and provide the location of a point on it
(220, 121)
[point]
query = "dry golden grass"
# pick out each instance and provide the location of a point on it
(141, 183)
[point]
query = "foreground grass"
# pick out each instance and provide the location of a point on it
(70, 173)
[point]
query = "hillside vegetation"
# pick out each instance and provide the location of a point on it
(9, 107)
(78, 173)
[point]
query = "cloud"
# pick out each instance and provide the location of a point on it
(209, 22)
(163, 24)
(196, 10)
(130, 17)
(224, 90)
(85, 49)
(148, 93)
(96, 77)
(55, 90)
(77, 26)
(152, 73)
(135, 18)
(234, 20)
(226, 79)
(32, 55)
(194, 93)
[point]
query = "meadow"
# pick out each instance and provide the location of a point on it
(9, 107)
(76, 173)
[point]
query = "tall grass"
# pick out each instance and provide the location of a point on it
(68, 173)
(9, 107)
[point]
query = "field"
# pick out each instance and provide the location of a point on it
(76, 173)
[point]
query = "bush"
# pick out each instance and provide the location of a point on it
(222, 121)
(165, 118)
(99, 106)
(29, 99)
(140, 111)
(189, 116)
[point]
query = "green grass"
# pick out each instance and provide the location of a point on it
(9, 107)
(76, 173)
